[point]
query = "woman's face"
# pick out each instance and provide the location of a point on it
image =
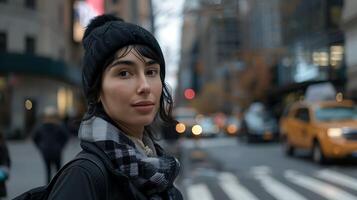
(131, 90)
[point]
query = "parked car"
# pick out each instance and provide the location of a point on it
(258, 124)
(327, 128)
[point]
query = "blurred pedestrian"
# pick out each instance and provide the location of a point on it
(123, 82)
(50, 136)
(4, 165)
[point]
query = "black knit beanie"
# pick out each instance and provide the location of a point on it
(105, 35)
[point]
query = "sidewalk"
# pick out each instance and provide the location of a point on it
(27, 167)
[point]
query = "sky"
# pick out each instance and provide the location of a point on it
(168, 24)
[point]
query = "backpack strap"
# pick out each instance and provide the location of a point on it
(104, 179)
(83, 155)
(42, 193)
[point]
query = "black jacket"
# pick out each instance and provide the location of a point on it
(83, 180)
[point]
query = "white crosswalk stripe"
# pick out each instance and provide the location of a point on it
(233, 189)
(199, 191)
(326, 190)
(277, 189)
(337, 178)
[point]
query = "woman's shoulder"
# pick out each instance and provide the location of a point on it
(80, 175)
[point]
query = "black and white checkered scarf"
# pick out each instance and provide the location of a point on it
(151, 175)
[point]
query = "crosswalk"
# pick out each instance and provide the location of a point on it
(326, 184)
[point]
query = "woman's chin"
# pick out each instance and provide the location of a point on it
(144, 121)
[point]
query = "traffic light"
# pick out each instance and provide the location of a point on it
(189, 93)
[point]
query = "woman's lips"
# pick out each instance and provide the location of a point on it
(145, 108)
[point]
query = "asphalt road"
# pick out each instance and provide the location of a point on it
(222, 168)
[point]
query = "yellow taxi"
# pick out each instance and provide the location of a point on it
(327, 128)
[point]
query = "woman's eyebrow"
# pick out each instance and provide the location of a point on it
(132, 63)
(151, 62)
(122, 62)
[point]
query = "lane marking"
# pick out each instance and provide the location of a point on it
(274, 187)
(234, 190)
(338, 178)
(199, 191)
(262, 169)
(326, 190)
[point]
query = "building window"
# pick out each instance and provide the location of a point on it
(30, 45)
(3, 42)
(30, 4)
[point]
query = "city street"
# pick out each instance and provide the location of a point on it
(223, 168)
(27, 167)
(212, 78)
(220, 168)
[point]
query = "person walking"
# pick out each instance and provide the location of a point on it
(123, 79)
(4, 165)
(50, 137)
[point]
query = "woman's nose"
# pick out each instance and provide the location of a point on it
(143, 86)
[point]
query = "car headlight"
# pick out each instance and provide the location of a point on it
(180, 128)
(196, 129)
(334, 132)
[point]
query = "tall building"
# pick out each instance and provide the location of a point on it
(314, 46)
(135, 11)
(188, 52)
(350, 27)
(39, 66)
(209, 46)
(261, 47)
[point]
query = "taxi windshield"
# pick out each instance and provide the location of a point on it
(336, 113)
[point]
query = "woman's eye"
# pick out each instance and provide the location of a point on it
(152, 72)
(123, 74)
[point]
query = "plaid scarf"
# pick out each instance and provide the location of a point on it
(151, 175)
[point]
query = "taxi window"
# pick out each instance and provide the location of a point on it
(337, 113)
(302, 114)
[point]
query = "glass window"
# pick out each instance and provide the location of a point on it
(337, 113)
(303, 114)
(30, 45)
(3, 42)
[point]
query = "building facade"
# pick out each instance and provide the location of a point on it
(209, 46)
(227, 49)
(40, 55)
(313, 48)
(350, 27)
(37, 66)
(135, 11)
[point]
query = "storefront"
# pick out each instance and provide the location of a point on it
(28, 84)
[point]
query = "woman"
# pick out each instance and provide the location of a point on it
(123, 82)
